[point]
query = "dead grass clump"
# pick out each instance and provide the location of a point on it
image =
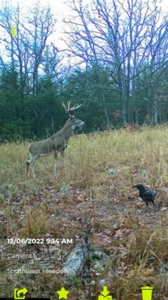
(35, 224)
(148, 247)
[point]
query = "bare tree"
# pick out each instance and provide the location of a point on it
(125, 36)
(26, 50)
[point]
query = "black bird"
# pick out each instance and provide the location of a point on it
(146, 194)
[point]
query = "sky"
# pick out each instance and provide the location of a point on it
(60, 9)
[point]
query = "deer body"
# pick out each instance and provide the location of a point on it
(56, 143)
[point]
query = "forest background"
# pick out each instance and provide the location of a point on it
(111, 57)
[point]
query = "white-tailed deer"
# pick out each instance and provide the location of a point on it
(57, 142)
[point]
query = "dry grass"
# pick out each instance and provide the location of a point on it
(100, 170)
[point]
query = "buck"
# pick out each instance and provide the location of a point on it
(57, 142)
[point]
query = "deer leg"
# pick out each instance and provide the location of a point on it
(28, 164)
(33, 169)
(31, 160)
(55, 164)
(27, 169)
(63, 158)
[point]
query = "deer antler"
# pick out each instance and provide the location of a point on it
(68, 108)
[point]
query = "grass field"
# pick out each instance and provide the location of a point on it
(100, 171)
